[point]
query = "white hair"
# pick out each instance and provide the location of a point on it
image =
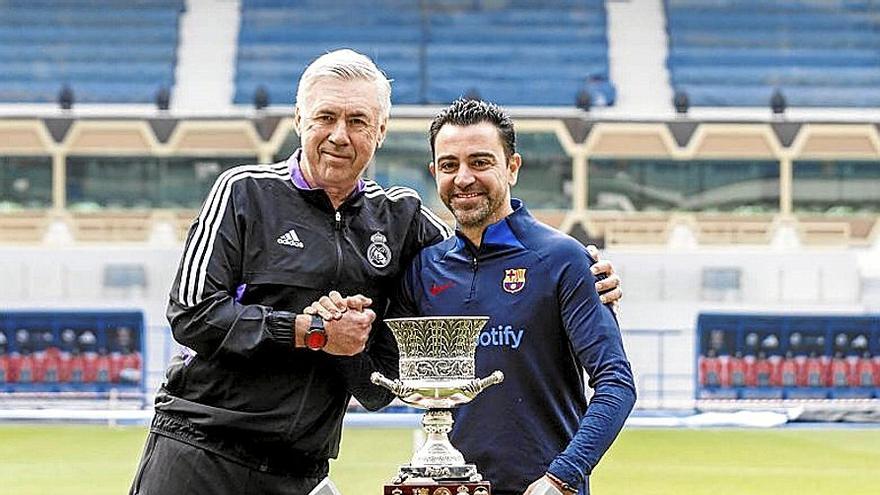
(347, 65)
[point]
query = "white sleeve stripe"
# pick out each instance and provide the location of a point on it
(445, 230)
(205, 247)
(207, 222)
(200, 247)
(195, 240)
(393, 196)
(395, 193)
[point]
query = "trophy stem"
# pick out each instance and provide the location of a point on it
(437, 450)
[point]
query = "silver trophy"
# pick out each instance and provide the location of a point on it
(437, 374)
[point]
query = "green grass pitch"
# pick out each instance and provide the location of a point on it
(93, 460)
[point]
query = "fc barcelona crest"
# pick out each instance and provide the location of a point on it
(514, 279)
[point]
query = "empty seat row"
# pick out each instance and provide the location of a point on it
(734, 38)
(87, 5)
(339, 34)
(521, 17)
(92, 34)
(88, 71)
(775, 5)
(763, 20)
(777, 75)
(96, 17)
(70, 53)
(819, 57)
(759, 96)
(85, 92)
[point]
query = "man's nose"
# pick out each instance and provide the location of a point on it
(339, 133)
(464, 177)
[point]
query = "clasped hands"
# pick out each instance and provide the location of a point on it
(347, 321)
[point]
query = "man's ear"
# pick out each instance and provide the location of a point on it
(433, 169)
(297, 120)
(514, 164)
(383, 129)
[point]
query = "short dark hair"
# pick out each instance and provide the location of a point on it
(464, 112)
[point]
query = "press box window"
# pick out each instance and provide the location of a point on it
(721, 284)
(125, 276)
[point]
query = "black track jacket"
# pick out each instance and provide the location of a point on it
(263, 247)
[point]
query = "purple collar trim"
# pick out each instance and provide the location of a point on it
(296, 175)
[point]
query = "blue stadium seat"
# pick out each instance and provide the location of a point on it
(759, 96)
(466, 44)
(107, 51)
(178, 5)
(777, 76)
(736, 53)
(87, 71)
(733, 38)
(97, 17)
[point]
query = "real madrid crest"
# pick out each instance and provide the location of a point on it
(514, 279)
(379, 254)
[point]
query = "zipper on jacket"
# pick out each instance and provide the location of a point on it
(474, 278)
(337, 228)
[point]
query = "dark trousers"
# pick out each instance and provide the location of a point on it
(172, 467)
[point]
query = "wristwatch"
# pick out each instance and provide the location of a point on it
(316, 336)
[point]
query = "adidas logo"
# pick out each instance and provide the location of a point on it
(290, 239)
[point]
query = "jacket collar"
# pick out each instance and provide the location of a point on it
(499, 235)
(299, 182)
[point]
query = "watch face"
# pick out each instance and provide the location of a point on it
(316, 339)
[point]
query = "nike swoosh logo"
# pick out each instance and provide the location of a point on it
(436, 289)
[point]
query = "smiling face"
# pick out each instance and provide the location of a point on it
(473, 175)
(340, 123)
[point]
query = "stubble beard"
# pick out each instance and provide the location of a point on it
(477, 216)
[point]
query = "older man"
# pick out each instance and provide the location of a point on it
(256, 403)
(534, 433)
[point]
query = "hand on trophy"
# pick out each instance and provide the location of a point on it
(348, 322)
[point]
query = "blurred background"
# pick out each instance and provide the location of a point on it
(725, 154)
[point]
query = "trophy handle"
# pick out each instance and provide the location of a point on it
(477, 385)
(395, 386)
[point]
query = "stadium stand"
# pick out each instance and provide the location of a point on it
(774, 356)
(105, 51)
(71, 351)
(436, 52)
(818, 53)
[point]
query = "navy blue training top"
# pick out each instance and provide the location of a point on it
(546, 327)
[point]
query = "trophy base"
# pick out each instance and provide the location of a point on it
(428, 487)
(468, 472)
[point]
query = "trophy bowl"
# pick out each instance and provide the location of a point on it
(437, 374)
